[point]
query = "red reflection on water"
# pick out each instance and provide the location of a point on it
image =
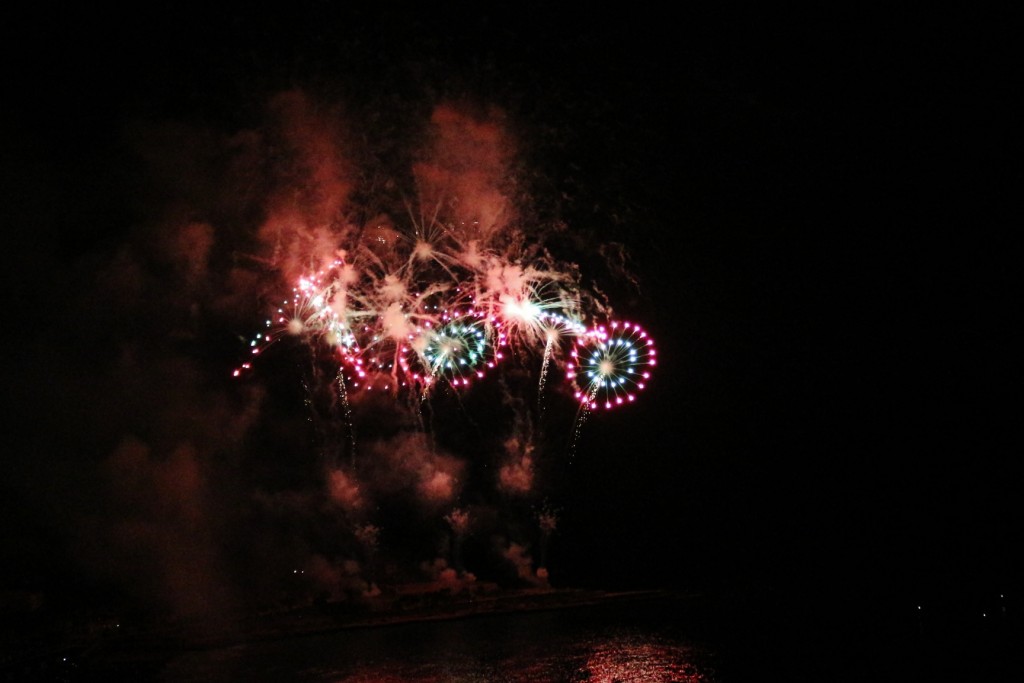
(619, 662)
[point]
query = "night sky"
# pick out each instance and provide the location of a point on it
(820, 228)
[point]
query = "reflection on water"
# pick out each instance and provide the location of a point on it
(646, 641)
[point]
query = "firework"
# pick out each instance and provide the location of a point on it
(463, 347)
(315, 312)
(406, 310)
(610, 364)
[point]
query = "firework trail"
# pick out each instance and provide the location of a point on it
(557, 328)
(349, 422)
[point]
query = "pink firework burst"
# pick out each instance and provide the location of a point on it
(610, 364)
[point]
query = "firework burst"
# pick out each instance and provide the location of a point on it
(442, 291)
(611, 364)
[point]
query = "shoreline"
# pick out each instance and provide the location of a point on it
(142, 653)
(336, 616)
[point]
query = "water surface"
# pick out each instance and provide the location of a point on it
(650, 640)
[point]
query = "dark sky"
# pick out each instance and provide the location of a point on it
(817, 209)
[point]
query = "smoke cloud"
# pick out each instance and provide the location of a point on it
(198, 494)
